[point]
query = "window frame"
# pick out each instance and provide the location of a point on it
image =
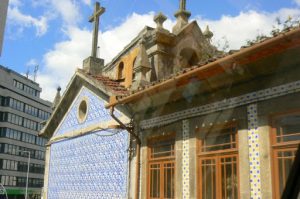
(217, 155)
(279, 146)
(215, 128)
(161, 161)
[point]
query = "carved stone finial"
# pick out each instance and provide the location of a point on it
(159, 19)
(57, 98)
(208, 34)
(182, 16)
(141, 67)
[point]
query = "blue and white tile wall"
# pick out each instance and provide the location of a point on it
(90, 166)
(93, 165)
(96, 113)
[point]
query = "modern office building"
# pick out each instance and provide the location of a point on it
(21, 113)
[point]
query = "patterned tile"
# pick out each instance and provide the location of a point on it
(254, 158)
(224, 104)
(185, 160)
(93, 165)
(96, 113)
(89, 166)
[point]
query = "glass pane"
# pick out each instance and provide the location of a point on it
(208, 172)
(169, 180)
(229, 177)
(220, 139)
(154, 181)
(285, 162)
(288, 128)
(162, 149)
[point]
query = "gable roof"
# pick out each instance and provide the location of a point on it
(221, 64)
(99, 84)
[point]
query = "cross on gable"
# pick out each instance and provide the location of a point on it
(97, 13)
(95, 18)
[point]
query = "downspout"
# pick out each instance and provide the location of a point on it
(138, 148)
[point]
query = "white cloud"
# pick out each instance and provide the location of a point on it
(297, 2)
(68, 10)
(62, 61)
(115, 39)
(16, 17)
(14, 2)
(87, 2)
(32, 62)
(245, 26)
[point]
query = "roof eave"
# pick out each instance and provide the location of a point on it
(213, 68)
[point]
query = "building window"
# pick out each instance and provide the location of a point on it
(121, 73)
(9, 165)
(44, 115)
(218, 162)
(8, 180)
(161, 180)
(285, 137)
(26, 88)
(133, 72)
(82, 110)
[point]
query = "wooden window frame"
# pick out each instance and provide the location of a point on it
(279, 146)
(160, 161)
(217, 155)
(214, 128)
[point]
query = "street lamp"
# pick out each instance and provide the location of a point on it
(28, 163)
(3, 190)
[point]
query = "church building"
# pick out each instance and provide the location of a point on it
(171, 116)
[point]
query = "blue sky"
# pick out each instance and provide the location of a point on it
(56, 34)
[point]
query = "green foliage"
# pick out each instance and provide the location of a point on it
(280, 26)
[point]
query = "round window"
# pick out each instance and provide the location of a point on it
(82, 110)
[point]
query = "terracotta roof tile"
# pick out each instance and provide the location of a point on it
(231, 52)
(113, 85)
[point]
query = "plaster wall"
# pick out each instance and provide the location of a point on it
(128, 60)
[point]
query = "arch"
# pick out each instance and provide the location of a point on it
(121, 74)
(188, 57)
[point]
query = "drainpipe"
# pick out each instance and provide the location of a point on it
(138, 149)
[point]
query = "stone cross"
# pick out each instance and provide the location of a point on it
(95, 18)
(182, 5)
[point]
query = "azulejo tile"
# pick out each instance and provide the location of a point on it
(96, 113)
(90, 166)
(254, 159)
(185, 160)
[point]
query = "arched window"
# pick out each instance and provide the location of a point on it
(188, 58)
(133, 71)
(121, 74)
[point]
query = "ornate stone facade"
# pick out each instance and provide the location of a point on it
(197, 118)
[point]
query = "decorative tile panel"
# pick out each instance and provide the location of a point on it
(90, 167)
(224, 104)
(254, 158)
(96, 113)
(185, 160)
